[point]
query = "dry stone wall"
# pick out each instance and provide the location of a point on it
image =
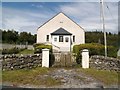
(13, 62)
(102, 63)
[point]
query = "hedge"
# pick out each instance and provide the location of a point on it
(38, 47)
(94, 49)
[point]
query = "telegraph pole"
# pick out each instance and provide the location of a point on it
(103, 24)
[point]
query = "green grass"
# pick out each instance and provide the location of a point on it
(0, 76)
(27, 51)
(23, 76)
(33, 77)
(107, 77)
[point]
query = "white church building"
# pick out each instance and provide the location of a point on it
(61, 32)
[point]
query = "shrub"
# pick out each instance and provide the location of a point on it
(79, 58)
(52, 59)
(94, 49)
(37, 44)
(0, 51)
(38, 47)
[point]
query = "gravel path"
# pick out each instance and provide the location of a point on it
(72, 79)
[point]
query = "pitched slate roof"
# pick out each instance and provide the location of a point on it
(61, 31)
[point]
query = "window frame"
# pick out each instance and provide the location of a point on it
(47, 38)
(55, 39)
(74, 38)
(61, 40)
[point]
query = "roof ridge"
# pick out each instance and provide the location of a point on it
(61, 31)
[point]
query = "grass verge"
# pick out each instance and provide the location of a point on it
(33, 77)
(106, 77)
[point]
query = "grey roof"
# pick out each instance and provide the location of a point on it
(61, 31)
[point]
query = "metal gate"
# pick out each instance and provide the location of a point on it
(64, 59)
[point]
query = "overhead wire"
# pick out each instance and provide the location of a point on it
(100, 15)
(109, 11)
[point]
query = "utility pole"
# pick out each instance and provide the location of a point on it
(103, 24)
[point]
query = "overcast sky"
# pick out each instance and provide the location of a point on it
(28, 16)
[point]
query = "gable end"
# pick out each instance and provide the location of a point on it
(66, 16)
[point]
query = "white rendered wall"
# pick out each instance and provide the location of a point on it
(67, 24)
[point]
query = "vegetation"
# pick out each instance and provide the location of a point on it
(26, 51)
(13, 37)
(38, 47)
(118, 57)
(106, 77)
(12, 50)
(94, 49)
(37, 76)
(97, 37)
(32, 77)
(17, 51)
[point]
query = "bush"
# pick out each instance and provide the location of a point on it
(37, 44)
(94, 49)
(12, 50)
(0, 51)
(38, 47)
(52, 59)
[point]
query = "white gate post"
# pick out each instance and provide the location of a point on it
(45, 58)
(85, 58)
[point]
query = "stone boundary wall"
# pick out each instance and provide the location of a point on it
(102, 63)
(14, 62)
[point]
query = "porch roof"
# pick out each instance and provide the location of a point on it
(61, 31)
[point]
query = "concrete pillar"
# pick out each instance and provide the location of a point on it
(85, 58)
(45, 58)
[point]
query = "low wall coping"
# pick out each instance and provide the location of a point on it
(45, 49)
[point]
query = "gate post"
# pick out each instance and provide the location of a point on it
(45, 58)
(85, 58)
